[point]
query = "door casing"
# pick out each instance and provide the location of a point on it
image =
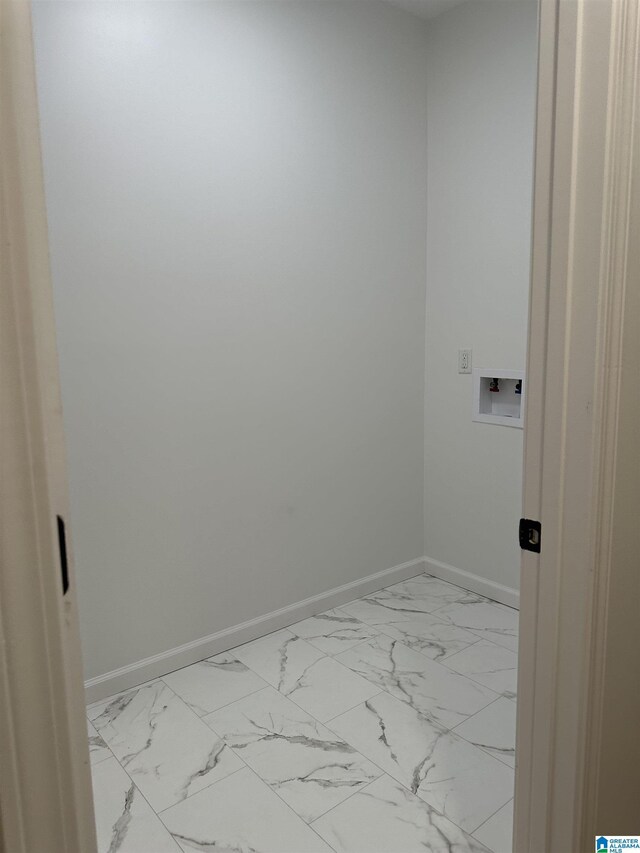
(581, 263)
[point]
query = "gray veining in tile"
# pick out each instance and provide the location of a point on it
(315, 682)
(98, 750)
(490, 621)
(430, 636)
(212, 683)
(305, 763)
(429, 687)
(488, 664)
(240, 814)
(125, 822)
(333, 632)
(387, 818)
(455, 777)
(494, 730)
(281, 659)
(166, 749)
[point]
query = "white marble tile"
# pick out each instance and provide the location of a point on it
(406, 600)
(387, 818)
(98, 750)
(166, 749)
(125, 822)
(430, 636)
(494, 730)
(489, 664)
(213, 683)
(429, 687)
(240, 814)
(281, 658)
(402, 601)
(497, 832)
(329, 688)
(428, 586)
(333, 632)
(489, 620)
(313, 681)
(455, 777)
(305, 763)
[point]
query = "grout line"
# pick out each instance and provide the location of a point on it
(154, 812)
(226, 705)
(291, 809)
(332, 719)
(480, 825)
(354, 793)
(441, 658)
(209, 729)
(195, 793)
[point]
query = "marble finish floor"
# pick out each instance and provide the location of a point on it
(386, 725)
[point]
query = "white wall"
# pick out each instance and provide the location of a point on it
(237, 210)
(481, 94)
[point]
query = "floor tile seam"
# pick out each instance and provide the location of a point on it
(481, 637)
(353, 794)
(475, 630)
(213, 731)
(153, 811)
(493, 642)
(188, 796)
(360, 619)
(291, 809)
(442, 729)
(313, 716)
(226, 705)
(439, 659)
(487, 751)
(475, 680)
(425, 716)
(104, 758)
(480, 825)
(415, 651)
(482, 672)
(356, 753)
(353, 646)
(403, 784)
(484, 749)
(492, 816)
(162, 811)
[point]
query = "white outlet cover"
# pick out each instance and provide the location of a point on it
(464, 361)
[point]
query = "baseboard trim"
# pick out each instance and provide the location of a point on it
(467, 580)
(136, 673)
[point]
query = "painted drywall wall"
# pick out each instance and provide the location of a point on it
(481, 96)
(237, 211)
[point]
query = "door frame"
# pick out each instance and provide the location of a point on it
(580, 265)
(45, 782)
(582, 260)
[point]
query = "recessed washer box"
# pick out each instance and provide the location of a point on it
(498, 396)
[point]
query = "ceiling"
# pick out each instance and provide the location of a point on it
(425, 8)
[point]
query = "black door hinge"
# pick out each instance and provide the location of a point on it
(530, 534)
(62, 545)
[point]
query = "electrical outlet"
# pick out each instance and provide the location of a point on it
(464, 361)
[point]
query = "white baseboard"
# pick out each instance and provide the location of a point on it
(467, 580)
(153, 667)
